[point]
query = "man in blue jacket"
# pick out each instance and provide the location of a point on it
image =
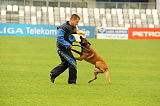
(63, 48)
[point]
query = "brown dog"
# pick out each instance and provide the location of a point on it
(89, 55)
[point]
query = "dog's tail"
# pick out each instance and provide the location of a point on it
(108, 76)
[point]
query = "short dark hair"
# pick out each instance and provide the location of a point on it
(74, 16)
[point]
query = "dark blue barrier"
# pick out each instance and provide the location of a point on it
(37, 30)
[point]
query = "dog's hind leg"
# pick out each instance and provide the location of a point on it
(103, 68)
(95, 75)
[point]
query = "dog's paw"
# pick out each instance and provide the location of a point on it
(90, 81)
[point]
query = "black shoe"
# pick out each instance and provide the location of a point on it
(52, 78)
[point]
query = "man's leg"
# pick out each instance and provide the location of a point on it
(72, 70)
(72, 74)
(59, 69)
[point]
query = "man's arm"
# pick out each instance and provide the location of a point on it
(61, 40)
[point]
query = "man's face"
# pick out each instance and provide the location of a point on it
(74, 22)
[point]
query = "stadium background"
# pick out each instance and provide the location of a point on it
(28, 52)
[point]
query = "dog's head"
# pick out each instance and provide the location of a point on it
(84, 42)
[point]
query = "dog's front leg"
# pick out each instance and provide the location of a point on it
(76, 58)
(80, 58)
(78, 52)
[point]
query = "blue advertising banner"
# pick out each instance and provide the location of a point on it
(38, 30)
(89, 31)
(28, 30)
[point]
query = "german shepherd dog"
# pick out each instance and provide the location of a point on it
(89, 55)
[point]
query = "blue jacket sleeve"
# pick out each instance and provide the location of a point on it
(60, 38)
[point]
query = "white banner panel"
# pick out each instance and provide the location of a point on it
(112, 33)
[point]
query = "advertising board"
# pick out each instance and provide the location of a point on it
(112, 33)
(8, 29)
(144, 33)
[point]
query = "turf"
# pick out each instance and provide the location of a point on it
(25, 64)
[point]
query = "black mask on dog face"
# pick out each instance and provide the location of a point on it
(84, 41)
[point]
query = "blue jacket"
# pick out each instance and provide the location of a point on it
(63, 33)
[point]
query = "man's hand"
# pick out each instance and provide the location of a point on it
(70, 47)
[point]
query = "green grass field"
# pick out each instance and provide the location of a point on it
(25, 64)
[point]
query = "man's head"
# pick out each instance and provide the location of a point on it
(74, 20)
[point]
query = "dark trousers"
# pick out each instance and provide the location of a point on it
(63, 66)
